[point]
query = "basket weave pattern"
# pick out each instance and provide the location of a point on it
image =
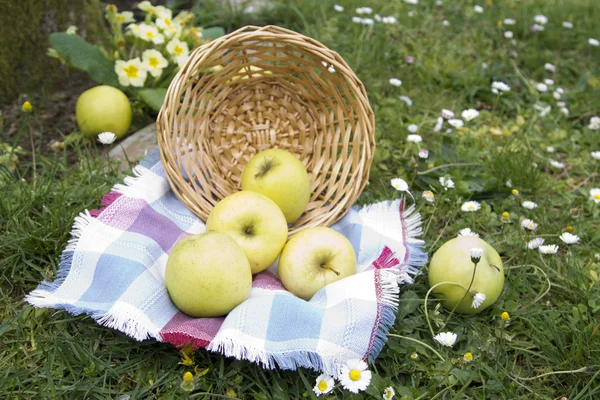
(259, 88)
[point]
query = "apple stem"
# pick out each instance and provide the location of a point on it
(331, 269)
(461, 300)
(492, 265)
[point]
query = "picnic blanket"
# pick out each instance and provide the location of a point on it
(113, 268)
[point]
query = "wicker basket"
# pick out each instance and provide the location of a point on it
(258, 88)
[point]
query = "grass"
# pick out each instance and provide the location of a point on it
(551, 346)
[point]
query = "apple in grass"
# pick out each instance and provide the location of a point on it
(313, 258)
(207, 275)
(255, 222)
(452, 263)
(281, 176)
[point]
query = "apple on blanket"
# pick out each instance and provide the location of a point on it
(205, 275)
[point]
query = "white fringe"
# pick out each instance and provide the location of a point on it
(129, 320)
(130, 181)
(390, 288)
(81, 223)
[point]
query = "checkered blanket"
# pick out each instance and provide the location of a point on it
(113, 267)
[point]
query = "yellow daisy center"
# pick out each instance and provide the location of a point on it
(178, 50)
(153, 62)
(471, 207)
(505, 316)
(322, 386)
(597, 196)
(131, 71)
(354, 374)
(468, 356)
(188, 377)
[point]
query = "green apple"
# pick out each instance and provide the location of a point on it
(208, 275)
(279, 175)
(452, 263)
(313, 258)
(103, 109)
(255, 222)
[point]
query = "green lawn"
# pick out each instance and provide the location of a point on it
(550, 347)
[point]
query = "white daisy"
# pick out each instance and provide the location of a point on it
(556, 95)
(594, 42)
(395, 82)
(446, 22)
(439, 3)
(389, 20)
(543, 110)
(529, 224)
(567, 24)
(356, 19)
(323, 385)
(424, 154)
(367, 21)
(467, 232)
(565, 111)
(548, 249)
(541, 87)
(549, 82)
(428, 196)
(478, 9)
(364, 10)
(355, 375)
(549, 67)
(535, 243)
(131, 73)
(413, 128)
(411, 1)
(411, 14)
(540, 19)
(446, 338)
(476, 254)
(557, 164)
(569, 238)
(447, 114)
(500, 87)
(389, 393)
(106, 137)
(470, 206)
(508, 34)
(595, 195)
(530, 205)
(446, 182)
(154, 62)
(484, 65)
(399, 184)
(457, 123)
(414, 138)
(377, 17)
(536, 27)
(338, 8)
(594, 123)
(407, 100)
(470, 114)
(595, 155)
(478, 300)
(438, 124)
(550, 149)
(509, 21)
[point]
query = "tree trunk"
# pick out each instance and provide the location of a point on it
(24, 29)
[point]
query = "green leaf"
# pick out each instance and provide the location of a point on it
(153, 97)
(213, 33)
(409, 302)
(83, 56)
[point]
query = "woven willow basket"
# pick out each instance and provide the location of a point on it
(259, 88)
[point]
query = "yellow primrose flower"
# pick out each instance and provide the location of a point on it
(168, 26)
(468, 357)
(154, 62)
(149, 33)
(124, 17)
(179, 51)
(147, 7)
(27, 107)
(131, 73)
(505, 316)
(71, 30)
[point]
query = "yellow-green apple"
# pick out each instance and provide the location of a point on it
(279, 175)
(255, 222)
(103, 109)
(452, 263)
(313, 258)
(208, 275)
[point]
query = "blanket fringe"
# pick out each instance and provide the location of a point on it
(129, 181)
(232, 346)
(129, 320)
(389, 306)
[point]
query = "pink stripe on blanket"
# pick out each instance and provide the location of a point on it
(183, 329)
(106, 201)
